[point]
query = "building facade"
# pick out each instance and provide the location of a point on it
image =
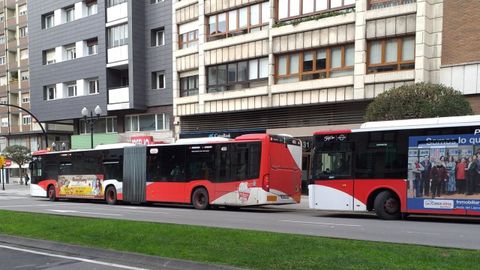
(296, 66)
(112, 53)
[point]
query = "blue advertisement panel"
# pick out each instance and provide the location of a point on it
(444, 172)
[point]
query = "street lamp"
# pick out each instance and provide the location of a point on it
(90, 120)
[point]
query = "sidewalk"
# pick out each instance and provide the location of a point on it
(15, 189)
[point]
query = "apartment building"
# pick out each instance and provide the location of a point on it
(296, 66)
(111, 55)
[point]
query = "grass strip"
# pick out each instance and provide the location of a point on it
(241, 248)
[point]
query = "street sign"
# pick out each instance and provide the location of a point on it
(7, 163)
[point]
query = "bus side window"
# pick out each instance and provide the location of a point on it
(254, 160)
(112, 170)
(172, 164)
(222, 165)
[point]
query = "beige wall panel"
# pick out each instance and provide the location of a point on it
(315, 96)
(332, 35)
(298, 98)
(380, 28)
(350, 32)
(299, 41)
(238, 104)
(276, 100)
(342, 34)
(219, 55)
(371, 29)
(207, 58)
(323, 96)
(306, 97)
(307, 40)
(238, 52)
(284, 43)
(291, 42)
(231, 104)
(283, 99)
(265, 49)
(390, 26)
(316, 38)
(290, 98)
(231, 53)
(379, 88)
(251, 103)
(340, 93)
(208, 7)
(324, 36)
(244, 103)
(349, 93)
(401, 25)
(244, 51)
(332, 95)
(276, 45)
(369, 91)
(411, 20)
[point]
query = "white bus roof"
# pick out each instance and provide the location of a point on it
(437, 122)
(202, 140)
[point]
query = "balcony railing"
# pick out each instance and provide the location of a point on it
(377, 4)
(118, 95)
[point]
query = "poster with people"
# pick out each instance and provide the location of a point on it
(81, 186)
(444, 172)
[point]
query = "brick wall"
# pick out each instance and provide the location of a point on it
(461, 36)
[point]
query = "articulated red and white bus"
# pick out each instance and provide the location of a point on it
(253, 169)
(421, 166)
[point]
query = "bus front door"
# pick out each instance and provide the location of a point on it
(333, 184)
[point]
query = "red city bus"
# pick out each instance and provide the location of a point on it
(254, 169)
(420, 166)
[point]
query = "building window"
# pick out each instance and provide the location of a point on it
(50, 92)
(92, 46)
(315, 64)
(147, 122)
(375, 4)
(2, 60)
(26, 99)
(156, 1)
(48, 20)
(93, 86)
(189, 86)
(25, 75)
(22, 10)
(118, 36)
(23, 31)
(239, 21)
(2, 17)
(391, 54)
(112, 3)
(69, 14)
(71, 89)
(288, 9)
(189, 39)
(3, 100)
(237, 75)
(158, 37)
(26, 120)
(71, 52)
(2, 39)
(158, 80)
(5, 122)
(23, 54)
(49, 57)
(102, 125)
(92, 7)
(3, 80)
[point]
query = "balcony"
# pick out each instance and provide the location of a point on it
(12, 44)
(25, 85)
(117, 56)
(11, 23)
(118, 98)
(117, 12)
(378, 4)
(10, 4)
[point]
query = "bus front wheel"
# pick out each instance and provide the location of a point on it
(200, 199)
(51, 193)
(111, 195)
(387, 206)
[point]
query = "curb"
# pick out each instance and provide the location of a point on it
(110, 256)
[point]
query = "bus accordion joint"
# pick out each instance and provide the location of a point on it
(266, 182)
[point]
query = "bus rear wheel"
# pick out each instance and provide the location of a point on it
(200, 199)
(387, 206)
(111, 195)
(51, 193)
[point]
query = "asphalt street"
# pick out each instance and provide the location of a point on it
(457, 232)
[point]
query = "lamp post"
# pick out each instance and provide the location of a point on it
(90, 120)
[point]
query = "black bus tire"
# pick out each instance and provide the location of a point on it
(387, 206)
(111, 195)
(200, 199)
(51, 193)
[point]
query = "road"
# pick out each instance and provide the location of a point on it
(431, 231)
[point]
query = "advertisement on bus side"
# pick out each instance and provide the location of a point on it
(444, 172)
(88, 186)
